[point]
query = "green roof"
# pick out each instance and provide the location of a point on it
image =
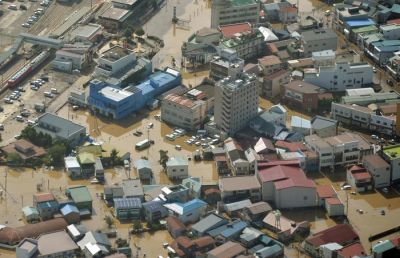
(392, 152)
(79, 194)
(242, 2)
(94, 149)
(365, 29)
(235, 42)
(87, 158)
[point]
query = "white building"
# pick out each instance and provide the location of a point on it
(237, 187)
(114, 60)
(318, 40)
(177, 168)
(390, 31)
(236, 103)
(72, 166)
(379, 170)
(232, 11)
(237, 157)
(334, 207)
(226, 64)
(71, 57)
(351, 115)
(383, 124)
(323, 58)
(340, 77)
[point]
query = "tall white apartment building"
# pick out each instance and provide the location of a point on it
(236, 102)
(234, 11)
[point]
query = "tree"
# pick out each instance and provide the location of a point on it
(139, 32)
(109, 221)
(163, 158)
(57, 153)
(121, 243)
(128, 32)
(137, 225)
(113, 156)
(15, 159)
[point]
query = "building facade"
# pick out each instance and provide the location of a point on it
(318, 40)
(234, 11)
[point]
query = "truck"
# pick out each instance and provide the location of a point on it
(143, 144)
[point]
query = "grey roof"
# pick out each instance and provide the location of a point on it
(47, 246)
(94, 238)
(142, 163)
(269, 251)
(114, 190)
(154, 206)
(318, 34)
(320, 122)
(303, 87)
(132, 188)
(208, 223)
(58, 125)
(127, 203)
(98, 165)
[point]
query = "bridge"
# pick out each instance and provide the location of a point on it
(5, 57)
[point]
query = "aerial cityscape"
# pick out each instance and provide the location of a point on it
(199, 128)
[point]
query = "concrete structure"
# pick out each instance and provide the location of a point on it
(382, 50)
(226, 64)
(73, 167)
(379, 170)
(318, 40)
(133, 188)
(113, 18)
(334, 207)
(194, 185)
(304, 95)
(177, 168)
(72, 57)
(359, 179)
(285, 228)
(188, 212)
(88, 33)
(70, 213)
(154, 211)
(80, 195)
(324, 127)
(270, 64)
(143, 169)
(175, 193)
(240, 187)
(271, 85)
(352, 115)
(117, 103)
(340, 77)
(236, 157)
(234, 11)
(236, 103)
(323, 58)
(58, 127)
(286, 186)
(392, 155)
(247, 45)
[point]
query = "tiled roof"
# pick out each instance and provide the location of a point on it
(341, 233)
(228, 31)
(325, 191)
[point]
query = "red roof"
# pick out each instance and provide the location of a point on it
(285, 177)
(228, 31)
(43, 197)
(267, 164)
(352, 250)
(356, 169)
(396, 241)
(333, 201)
(361, 176)
(325, 191)
(341, 234)
(394, 21)
(290, 146)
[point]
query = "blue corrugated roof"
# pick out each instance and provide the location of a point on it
(123, 203)
(300, 122)
(193, 205)
(67, 209)
(161, 78)
(360, 22)
(234, 229)
(49, 204)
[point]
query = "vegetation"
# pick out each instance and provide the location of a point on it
(127, 32)
(57, 153)
(40, 139)
(15, 159)
(163, 158)
(137, 225)
(121, 243)
(139, 32)
(109, 221)
(114, 156)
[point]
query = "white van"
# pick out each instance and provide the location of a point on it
(54, 90)
(31, 122)
(13, 7)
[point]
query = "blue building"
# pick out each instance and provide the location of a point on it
(47, 209)
(70, 213)
(117, 103)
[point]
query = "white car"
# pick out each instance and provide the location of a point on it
(26, 25)
(19, 119)
(178, 147)
(375, 137)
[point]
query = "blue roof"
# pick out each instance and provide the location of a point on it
(145, 87)
(300, 122)
(154, 206)
(193, 205)
(360, 22)
(67, 209)
(124, 203)
(234, 229)
(269, 251)
(161, 78)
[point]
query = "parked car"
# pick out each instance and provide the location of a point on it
(19, 119)
(1, 127)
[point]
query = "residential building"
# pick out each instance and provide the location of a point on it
(359, 178)
(340, 77)
(283, 12)
(188, 212)
(300, 125)
(194, 186)
(383, 124)
(228, 250)
(324, 127)
(12, 236)
(270, 64)
(239, 188)
(347, 114)
(73, 167)
(46, 205)
(99, 170)
(70, 213)
(234, 209)
(286, 186)
(114, 18)
(24, 149)
(286, 229)
(391, 154)
(72, 57)
(31, 214)
(118, 66)
(232, 11)
(80, 195)
(88, 33)
(393, 65)
(143, 169)
(177, 168)
(228, 232)
(154, 211)
(60, 128)
(94, 244)
(207, 224)
(271, 84)
(183, 246)
(381, 51)
(175, 193)
(323, 58)
(127, 208)
(116, 103)
(318, 40)
(227, 64)
(270, 123)
(264, 146)
(236, 157)
(236, 103)
(248, 44)
(111, 192)
(334, 207)
(342, 234)
(301, 94)
(379, 170)
(175, 227)
(257, 211)
(133, 188)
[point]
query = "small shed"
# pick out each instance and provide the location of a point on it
(70, 213)
(72, 167)
(31, 214)
(143, 169)
(334, 207)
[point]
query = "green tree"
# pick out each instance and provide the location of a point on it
(121, 243)
(57, 153)
(163, 158)
(139, 31)
(114, 156)
(137, 225)
(144, 157)
(109, 221)
(128, 32)
(15, 159)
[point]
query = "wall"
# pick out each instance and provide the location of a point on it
(295, 197)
